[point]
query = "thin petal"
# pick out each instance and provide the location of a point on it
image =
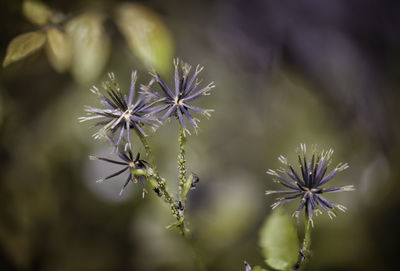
(329, 176)
(309, 209)
(169, 112)
(176, 64)
(126, 183)
(123, 156)
(328, 203)
(132, 88)
(284, 200)
(156, 110)
(294, 176)
(194, 108)
(114, 174)
(108, 160)
(338, 189)
(322, 204)
(164, 87)
(121, 133)
(306, 177)
(321, 171)
(269, 192)
(189, 87)
(199, 93)
(189, 117)
(301, 206)
(139, 129)
(180, 117)
(311, 198)
(128, 134)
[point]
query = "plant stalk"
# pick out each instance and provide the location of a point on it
(168, 198)
(162, 186)
(304, 252)
(181, 162)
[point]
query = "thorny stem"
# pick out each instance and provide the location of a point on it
(304, 252)
(181, 162)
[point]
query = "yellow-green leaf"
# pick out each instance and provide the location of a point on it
(24, 45)
(36, 12)
(279, 241)
(146, 35)
(58, 49)
(90, 46)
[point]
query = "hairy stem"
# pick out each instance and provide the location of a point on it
(181, 162)
(304, 253)
(162, 187)
(160, 184)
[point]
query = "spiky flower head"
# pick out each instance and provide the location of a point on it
(138, 169)
(308, 184)
(176, 102)
(121, 113)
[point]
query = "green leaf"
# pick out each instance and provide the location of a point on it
(24, 45)
(36, 12)
(58, 49)
(279, 242)
(90, 46)
(174, 225)
(146, 35)
(190, 183)
(258, 268)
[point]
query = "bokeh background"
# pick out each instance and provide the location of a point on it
(287, 72)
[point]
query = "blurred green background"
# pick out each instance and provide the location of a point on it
(287, 72)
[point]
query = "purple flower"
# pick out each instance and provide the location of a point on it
(138, 169)
(176, 102)
(308, 184)
(121, 112)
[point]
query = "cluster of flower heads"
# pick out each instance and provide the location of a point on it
(308, 184)
(123, 112)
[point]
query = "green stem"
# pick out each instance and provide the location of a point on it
(148, 151)
(181, 162)
(162, 186)
(304, 253)
(196, 256)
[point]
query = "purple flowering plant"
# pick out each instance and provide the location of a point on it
(305, 183)
(123, 114)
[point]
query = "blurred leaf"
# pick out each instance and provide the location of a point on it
(24, 45)
(279, 242)
(36, 12)
(58, 49)
(146, 35)
(90, 46)
(258, 268)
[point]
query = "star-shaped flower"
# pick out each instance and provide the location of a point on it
(138, 169)
(308, 185)
(177, 102)
(121, 112)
